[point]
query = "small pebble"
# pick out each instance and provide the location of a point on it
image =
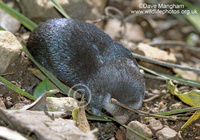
(155, 125)
(140, 128)
(176, 106)
(166, 134)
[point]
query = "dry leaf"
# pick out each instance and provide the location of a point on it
(191, 98)
(82, 121)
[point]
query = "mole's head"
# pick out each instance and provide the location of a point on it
(119, 79)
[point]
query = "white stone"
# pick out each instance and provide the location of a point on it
(155, 125)
(140, 128)
(61, 104)
(155, 53)
(10, 48)
(166, 134)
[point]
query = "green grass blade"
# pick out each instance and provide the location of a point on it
(59, 8)
(192, 18)
(61, 86)
(188, 4)
(16, 89)
(1, 28)
(24, 20)
(181, 80)
(195, 20)
(179, 111)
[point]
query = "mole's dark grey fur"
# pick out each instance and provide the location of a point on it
(80, 53)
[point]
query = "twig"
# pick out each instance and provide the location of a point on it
(119, 14)
(154, 77)
(176, 43)
(162, 63)
(169, 42)
(146, 75)
(132, 16)
(151, 98)
(114, 101)
(3, 74)
(194, 49)
(99, 19)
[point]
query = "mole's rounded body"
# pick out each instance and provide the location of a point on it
(79, 53)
